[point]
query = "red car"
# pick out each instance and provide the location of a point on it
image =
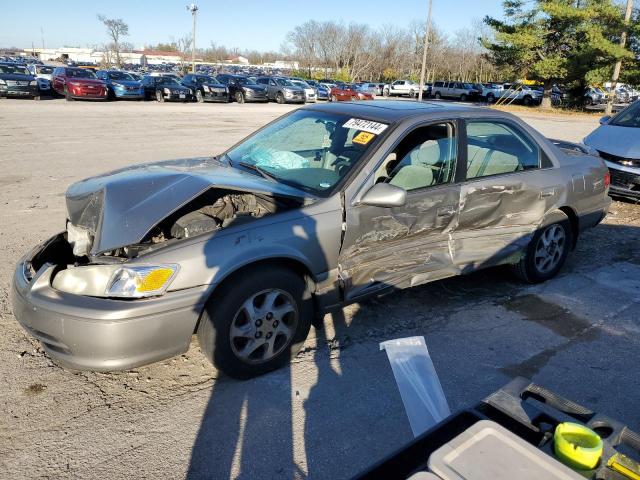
(75, 83)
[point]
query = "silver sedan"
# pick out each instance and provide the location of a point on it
(323, 207)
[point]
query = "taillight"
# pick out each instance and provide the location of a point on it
(607, 179)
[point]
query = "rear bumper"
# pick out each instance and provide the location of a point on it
(88, 333)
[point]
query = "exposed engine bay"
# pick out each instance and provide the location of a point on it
(213, 210)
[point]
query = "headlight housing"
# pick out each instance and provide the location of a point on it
(33, 82)
(116, 281)
(167, 91)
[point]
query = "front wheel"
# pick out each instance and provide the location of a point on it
(255, 324)
(67, 95)
(239, 97)
(438, 96)
(527, 101)
(463, 98)
(334, 98)
(199, 97)
(412, 94)
(491, 98)
(280, 98)
(548, 249)
(159, 96)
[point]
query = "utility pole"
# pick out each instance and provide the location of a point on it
(424, 51)
(618, 66)
(42, 36)
(193, 8)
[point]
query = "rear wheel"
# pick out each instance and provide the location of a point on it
(255, 324)
(527, 100)
(491, 98)
(463, 98)
(548, 249)
(412, 94)
(159, 96)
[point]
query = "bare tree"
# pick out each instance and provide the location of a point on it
(116, 28)
(183, 48)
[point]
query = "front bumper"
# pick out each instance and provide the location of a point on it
(176, 97)
(216, 96)
(126, 93)
(89, 333)
(19, 90)
(255, 97)
(625, 181)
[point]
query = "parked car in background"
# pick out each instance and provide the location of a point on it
(78, 83)
(246, 248)
(401, 88)
(282, 90)
(459, 90)
(364, 92)
(17, 81)
(243, 89)
(594, 96)
(344, 92)
(135, 75)
(371, 88)
(121, 85)
(166, 88)
(43, 74)
(521, 93)
(322, 91)
(617, 139)
(206, 88)
(310, 94)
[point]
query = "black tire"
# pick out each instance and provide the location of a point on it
(239, 97)
(527, 101)
(111, 95)
(491, 98)
(438, 96)
(224, 308)
(527, 269)
(463, 98)
(67, 95)
(412, 94)
(279, 98)
(159, 96)
(36, 97)
(334, 98)
(385, 92)
(199, 96)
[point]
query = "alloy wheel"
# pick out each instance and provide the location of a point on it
(264, 326)
(550, 248)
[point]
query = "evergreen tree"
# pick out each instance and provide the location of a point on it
(557, 41)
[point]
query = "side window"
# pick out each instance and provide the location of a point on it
(424, 158)
(495, 148)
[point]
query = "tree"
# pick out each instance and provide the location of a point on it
(554, 41)
(116, 28)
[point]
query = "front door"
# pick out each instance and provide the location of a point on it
(408, 245)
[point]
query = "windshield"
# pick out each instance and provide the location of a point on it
(629, 117)
(80, 73)
(44, 69)
(309, 150)
(16, 69)
(300, 83)
(246, 81)
(164, 80)
(285, 83)
(120, 76)
(202, 80)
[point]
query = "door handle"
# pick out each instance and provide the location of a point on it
(446, 211)
(547, 192)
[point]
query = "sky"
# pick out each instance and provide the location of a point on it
(247, 24)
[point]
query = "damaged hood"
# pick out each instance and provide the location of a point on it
(620, 141)
(119, 208)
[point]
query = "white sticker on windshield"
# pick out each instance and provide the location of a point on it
(366, 126)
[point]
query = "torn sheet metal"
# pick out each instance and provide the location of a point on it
(419, 385)
(119, 208)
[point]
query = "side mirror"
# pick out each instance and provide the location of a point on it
(385, 195)
(605, 119)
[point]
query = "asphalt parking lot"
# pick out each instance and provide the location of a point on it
(337, 409)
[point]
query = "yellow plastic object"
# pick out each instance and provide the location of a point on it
(155, 280)
(577, 446)
(625, 466)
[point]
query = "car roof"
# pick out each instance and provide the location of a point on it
(395, 110)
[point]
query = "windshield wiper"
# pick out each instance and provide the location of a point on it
(255, 168)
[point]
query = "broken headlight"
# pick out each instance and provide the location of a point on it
(130, 281)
